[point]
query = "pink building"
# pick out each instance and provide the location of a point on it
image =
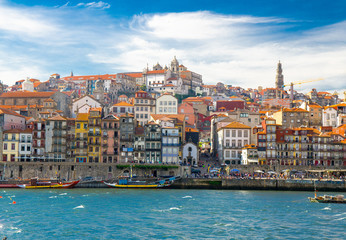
(190, 113)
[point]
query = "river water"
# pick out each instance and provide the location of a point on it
(167, 214)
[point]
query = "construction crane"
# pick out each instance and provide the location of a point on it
(298, 83)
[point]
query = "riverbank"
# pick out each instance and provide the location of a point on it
(262, 184)
(246, 184)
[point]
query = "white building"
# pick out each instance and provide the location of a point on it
(330, 117)
(25, 145)
(27, 85)
(231, 139)
(144, 106)
(122, 108)
(166, 104)
(170, 145)
(83, 105)
(249, 155)
(190, 153)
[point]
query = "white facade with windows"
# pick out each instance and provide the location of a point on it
(170, 145)
(25, 147)
(231, 139)
(330, 117)
(166, 104)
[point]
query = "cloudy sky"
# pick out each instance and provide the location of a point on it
(236, 42)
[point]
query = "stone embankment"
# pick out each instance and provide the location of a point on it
(262, 184)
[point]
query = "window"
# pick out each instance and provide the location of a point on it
(227, 133)
(13, 146)
(78, 125)
(227, 155)
(233, 133)
(246, 133)
(240, 133)
(5, 146)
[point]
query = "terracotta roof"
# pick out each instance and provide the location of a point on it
(57, 118)
(36, 84)
(187, 129)
(179, 117)
(123, 104)
(123, 96)
(135, 75)
(49, 100)
(10, 112)
(26, 94)
(90, 77)
(98, 109)
(233, 125)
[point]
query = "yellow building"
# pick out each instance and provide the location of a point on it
(10, 145)
(81, 137)
(94, 135)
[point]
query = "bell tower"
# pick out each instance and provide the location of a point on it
(279, 77)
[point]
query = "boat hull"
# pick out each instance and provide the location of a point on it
(63, 185)
(9, 186)
(316, 200)
(115, 185)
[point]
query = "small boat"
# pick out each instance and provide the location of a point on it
(328, 199)
(129, 183)
(42, 185)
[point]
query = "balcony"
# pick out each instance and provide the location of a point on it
(170, 144)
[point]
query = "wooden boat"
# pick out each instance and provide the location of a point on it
(9, 185)
(328, 199)
(129, 183)
(43, 185)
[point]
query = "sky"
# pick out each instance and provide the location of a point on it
(235, 42)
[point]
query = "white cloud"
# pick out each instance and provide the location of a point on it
(238, 50)
(100, 4)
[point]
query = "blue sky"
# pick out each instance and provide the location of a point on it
(236, 42)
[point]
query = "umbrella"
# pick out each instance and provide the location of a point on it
(271, 172)
(235, 170)
(258, 171)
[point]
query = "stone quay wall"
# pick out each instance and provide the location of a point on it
(261, 184)
(73, 171)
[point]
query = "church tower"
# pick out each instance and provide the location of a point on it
(279, 77)
(175, 65)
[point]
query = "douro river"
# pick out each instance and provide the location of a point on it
(167, 214)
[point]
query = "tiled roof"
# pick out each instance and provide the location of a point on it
(237, 125)
(10, 112)
(179, 117)
(123, 104)
(90, 77)
(123, 96)
(135, 75)
(82, 117)
(187, 129)
(57, 118)
(26, 94)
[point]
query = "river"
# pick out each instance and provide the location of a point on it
(167, 214)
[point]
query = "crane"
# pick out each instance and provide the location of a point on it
(300, 82)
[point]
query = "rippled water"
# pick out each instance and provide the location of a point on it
(167, 214)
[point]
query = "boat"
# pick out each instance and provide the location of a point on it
(5, 185)
(125, 182)
(43, 185)
(328, 199)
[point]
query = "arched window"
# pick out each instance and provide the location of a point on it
(190, 149)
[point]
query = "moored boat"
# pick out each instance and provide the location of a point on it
(43, 185)
(129, 183)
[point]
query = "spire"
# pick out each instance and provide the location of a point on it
(279, 82)
(71, 73)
